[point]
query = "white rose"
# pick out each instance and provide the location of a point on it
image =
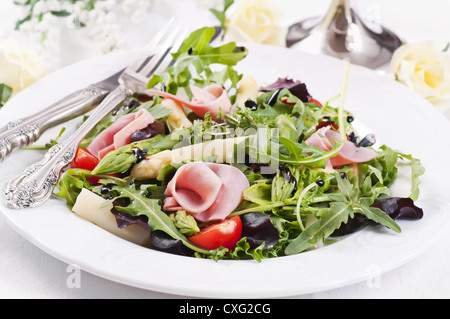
(425, 68)
(255, 21)
(19, 68)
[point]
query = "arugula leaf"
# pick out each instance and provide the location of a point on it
(302, 154)
(347, 200)
(386, 165)
(221, 15)
(70, 186)
(331, 220)
(259, 193)
(380, 217)
(48, 145)
(304, 241)
(194, 61)
(5, 94)
(385, 168)
(417, 170)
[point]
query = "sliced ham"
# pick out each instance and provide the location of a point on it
(324, 139)
(118, 134)
(207, 191)
(212, 99)
(195, 187)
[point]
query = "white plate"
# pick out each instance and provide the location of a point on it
(400, 118)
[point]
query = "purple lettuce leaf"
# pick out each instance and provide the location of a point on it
(258, 229)
(399, 207)
(297, 88)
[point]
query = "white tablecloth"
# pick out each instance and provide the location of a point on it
(28, 272)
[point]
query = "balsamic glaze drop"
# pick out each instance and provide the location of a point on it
(252, 105)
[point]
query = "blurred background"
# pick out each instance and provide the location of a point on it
(115, 25)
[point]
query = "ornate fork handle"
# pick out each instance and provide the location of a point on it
(35, 185)
(23, 132)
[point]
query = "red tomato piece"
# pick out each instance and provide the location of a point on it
(226, 234)
(311, 100)
(284, 99)
(84, 160)
(327, 123)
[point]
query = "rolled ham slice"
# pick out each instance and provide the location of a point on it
(194, 187)
(207, 191)
(119, 133)
(212, 99)
(350, 153)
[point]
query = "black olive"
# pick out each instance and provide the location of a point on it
(352, 137)
(105, 190)
(274, 97)
(320, 183)
(369, 140)
(252, 105)
(343, 175)
(190, 51)
(131, 105)
(350, 119)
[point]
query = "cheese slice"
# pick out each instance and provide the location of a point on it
(90, 207)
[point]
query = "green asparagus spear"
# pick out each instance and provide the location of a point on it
(123, 158)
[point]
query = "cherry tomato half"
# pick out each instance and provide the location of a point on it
(226, 234)
(311, 100)
(327, 123)
(84, 160)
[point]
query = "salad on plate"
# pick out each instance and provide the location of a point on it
(211, 163)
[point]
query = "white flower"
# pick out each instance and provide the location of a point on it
(255, 21)
(425, 68)
(19, 68)
(137, 9)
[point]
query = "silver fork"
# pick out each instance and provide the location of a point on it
(34, 186)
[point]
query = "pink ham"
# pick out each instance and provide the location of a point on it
(209, 99)
(207, 191)
(350, 153)
(119, 133)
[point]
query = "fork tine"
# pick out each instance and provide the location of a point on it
(166, 62)
(161, 55)
(139, 62)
